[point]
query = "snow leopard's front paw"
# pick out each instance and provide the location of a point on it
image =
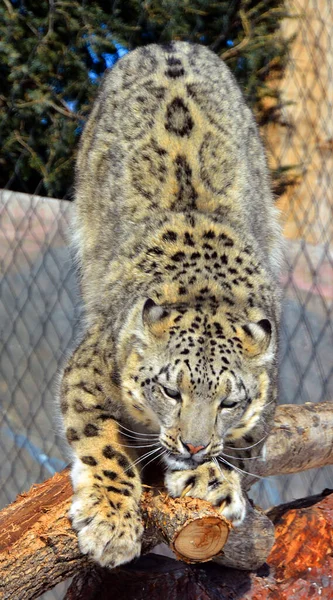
(209, 482)
(111, 535)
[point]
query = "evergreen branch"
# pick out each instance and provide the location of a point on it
(47, 58)
(8, 6)
(62, 111)
(195, 11)
(51, 18)
(245, 41)
(47, 102)
(32, 153)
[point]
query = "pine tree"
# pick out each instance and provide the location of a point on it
(53, 54)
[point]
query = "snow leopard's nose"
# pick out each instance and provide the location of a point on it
(192, 449)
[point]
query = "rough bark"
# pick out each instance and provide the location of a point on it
(38, 547)
(302, 438)
(192, 528)
(299, 567)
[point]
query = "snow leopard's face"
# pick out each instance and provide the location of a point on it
(198, 380)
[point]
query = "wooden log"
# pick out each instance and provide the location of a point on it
(301, 439)
(249, 544)
(192, 528)
(299, 567)
(196, 532)
(38, 548)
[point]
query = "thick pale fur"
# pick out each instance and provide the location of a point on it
(178, 245)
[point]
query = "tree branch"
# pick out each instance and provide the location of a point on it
(38, 548)
(300, 566)
(301, 439)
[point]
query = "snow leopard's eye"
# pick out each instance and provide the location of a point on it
(226, 403)
(174, 394)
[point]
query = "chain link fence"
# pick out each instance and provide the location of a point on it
(40, 304)
(304, 139)
(38, 310)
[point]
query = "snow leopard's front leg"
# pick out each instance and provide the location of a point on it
(107, 487)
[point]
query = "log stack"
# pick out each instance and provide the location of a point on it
(38, 548)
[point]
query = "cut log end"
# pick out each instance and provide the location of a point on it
(193, 528)
(39, 549)
(201, 539)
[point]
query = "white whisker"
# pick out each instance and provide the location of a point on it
(136, 432)
(134, 437)
(218, 466)
(154, 458)
(135, 446)
(141, 458)
(247, 447)
(223, 460)
(241, 458)
(160, 460)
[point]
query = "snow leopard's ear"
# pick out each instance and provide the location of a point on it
(156, 317)
(149, 318)
(152, 312)
(256, 338)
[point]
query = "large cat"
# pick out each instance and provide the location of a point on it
(178, 245)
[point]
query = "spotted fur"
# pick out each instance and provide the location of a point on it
(178, 246)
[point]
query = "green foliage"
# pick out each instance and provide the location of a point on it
(49, 49)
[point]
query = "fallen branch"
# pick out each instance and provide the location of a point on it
(300, 567)
(38, 548)
(302, 438)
